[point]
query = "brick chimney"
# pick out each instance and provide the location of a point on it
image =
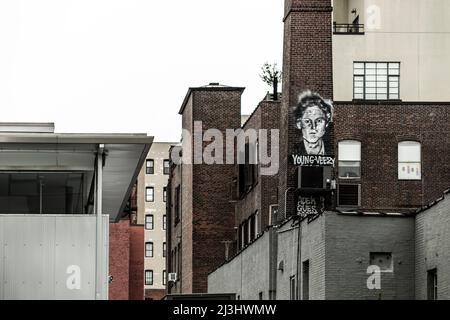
(307, 65)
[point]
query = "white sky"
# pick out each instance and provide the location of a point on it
(125, 65)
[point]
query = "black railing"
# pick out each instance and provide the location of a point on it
(348, 28)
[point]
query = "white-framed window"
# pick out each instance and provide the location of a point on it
(164, 222)
(164, 278)
(409, 160)
(166, 169)
(149, 249)
(149, 222)
(376, 80)
(148, 277)
(164, 249)
(349, 159)
(164, 194)
(149, 194)
(150, 166)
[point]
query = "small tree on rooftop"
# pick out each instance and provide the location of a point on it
(272, 76)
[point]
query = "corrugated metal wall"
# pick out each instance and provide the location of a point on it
(50, 257)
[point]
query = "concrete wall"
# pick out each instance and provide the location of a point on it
(312, 249)
(349, 242)
(433, 248)
(248, 273)
(414, 32)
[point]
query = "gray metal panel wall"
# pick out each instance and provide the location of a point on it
(39, 255)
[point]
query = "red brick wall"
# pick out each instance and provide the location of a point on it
(213, 214)
(307, 64)
(154, 294)
(137, 241)
(119, 252)
(266, 116)
(126, 261)
(380, 127)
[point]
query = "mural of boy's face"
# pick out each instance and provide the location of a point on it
(313, 124)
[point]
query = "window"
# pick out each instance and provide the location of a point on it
(164, 250)
(251, 225)
(149, 249)
(432, 284)
(164, 278)
(150, 194)
(165, 194)
(166, 167)
(383, 260)
(177, 204)
(150, 166)
(409, 161)
(376, 80)
(164, 222)
(149, 222)
(257, 223)
(305, 281)
(148, 277)
(292, 291)
(349, 159)
(248, 171)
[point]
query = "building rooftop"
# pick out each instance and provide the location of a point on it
(26, 151)
(213, 86)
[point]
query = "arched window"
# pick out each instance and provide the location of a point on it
(349, 159)
(409, 161)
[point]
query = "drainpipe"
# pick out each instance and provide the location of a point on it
(299, 257)
(99, 245)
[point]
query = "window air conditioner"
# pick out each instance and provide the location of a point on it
(172, 277)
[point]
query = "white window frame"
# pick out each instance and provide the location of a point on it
(148, 161)
(376, 80)
(151, 223)
(166, 161)
(409, 160)
(151, 250)
(150, 272)
(349, 155)
(149, 197)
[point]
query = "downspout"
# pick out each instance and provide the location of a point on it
(99, 225)
(299, 257)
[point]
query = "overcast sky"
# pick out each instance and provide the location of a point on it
(125, 65)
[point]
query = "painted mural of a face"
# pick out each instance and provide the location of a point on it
(313, 115)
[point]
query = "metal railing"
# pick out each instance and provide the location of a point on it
(348, 28)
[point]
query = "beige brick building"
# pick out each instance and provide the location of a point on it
(151, 198)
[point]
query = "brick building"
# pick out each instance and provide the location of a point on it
(256, 195)
(389, 138)
(126, 259)
(200, 215)
(151, 213)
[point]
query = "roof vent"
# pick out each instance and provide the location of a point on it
(214, 84)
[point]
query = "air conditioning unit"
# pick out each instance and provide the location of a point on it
(172, 277)
(315, 178)
(349, 195)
